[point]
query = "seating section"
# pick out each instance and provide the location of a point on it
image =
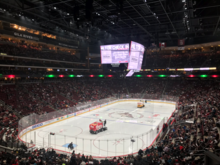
(196, 58)
(22, 49)
(185, 60)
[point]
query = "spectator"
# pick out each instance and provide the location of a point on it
(73, 160)
(160, 150)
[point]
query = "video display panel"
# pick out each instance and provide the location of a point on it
(136, 56)
(117, 53)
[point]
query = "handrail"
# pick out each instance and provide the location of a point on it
(41, 59)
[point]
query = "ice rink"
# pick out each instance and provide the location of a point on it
(124, 122)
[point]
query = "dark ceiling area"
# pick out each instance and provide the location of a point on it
(107, 21)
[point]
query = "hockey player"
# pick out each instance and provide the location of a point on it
(70, 146)
(101, 122)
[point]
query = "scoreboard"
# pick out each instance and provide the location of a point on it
(136, 56)
(117, 53)
(132, 54)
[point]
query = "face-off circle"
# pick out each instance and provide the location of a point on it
(117, 141)
(122, 114)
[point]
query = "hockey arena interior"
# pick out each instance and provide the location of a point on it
(109, 82)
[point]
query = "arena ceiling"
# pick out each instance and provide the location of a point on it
(145, 20)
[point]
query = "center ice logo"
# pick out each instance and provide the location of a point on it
(126, 114)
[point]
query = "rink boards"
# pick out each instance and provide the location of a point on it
(80, 112)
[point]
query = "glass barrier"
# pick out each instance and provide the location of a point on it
(99, 145)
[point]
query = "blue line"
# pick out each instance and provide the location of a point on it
(120, 122)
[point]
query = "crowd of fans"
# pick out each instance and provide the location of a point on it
(182, 143)
(183, 60)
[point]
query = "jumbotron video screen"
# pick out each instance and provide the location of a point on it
(117, 53)
(136, 56)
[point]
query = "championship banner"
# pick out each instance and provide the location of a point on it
(181, 42)
(162, 45)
